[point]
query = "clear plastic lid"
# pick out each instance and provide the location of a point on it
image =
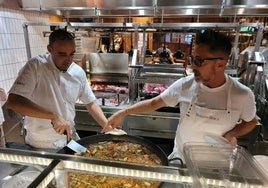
(217, 165)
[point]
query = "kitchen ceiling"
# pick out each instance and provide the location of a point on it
(149, 8)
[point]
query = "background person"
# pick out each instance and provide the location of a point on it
(163, 48)
(117, 44)
(130, 52)
(46, 91)
(211, 102)
(165, 55)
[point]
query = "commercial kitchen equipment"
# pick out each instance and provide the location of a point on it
(253, 73)
(113, 69)
(108, 75)
(53, 168)
(149, 8)
(138, 73)
(162, 123)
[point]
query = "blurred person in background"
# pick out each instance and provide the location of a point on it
(130, 52)
(165, 55)
(117, 44)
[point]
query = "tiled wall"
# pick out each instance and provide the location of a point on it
(12, 44)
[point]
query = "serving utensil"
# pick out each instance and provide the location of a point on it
(73, 145)
(76, 147)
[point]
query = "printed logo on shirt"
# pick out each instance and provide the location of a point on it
(207, 117)
(175, 95)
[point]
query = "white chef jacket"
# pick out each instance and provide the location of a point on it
(241, 101)
(41, 82)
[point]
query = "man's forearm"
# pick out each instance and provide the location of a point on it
(242, 128)
(96, 112)
(145, 106)
(26, 107)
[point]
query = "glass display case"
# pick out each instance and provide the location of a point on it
(208, 165)
(62, 170)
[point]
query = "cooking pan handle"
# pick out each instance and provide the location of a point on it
(179, 159)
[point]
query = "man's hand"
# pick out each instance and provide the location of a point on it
(3, 95)
(113, 121)
(231, 139)
(239, 130)
(61, 126)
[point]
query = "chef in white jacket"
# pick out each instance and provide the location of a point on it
(211, 102)
(46, 91)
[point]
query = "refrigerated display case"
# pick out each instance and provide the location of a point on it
(209, 165)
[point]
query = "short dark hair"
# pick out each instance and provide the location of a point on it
(216, 41)
(60, 34)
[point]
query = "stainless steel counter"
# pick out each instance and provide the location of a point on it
(85, 122)
(156, 124)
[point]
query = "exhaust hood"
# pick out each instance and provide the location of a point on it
(148, 8)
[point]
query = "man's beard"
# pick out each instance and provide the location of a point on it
(199, 78)
(196, 75)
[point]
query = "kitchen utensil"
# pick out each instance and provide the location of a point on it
(73, 145)
(76, 147)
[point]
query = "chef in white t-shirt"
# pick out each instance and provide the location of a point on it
(211, 102)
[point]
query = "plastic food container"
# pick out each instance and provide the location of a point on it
(23, 179)
(263, 162)
(217, 165)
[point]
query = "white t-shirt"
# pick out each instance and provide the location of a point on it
(41, 82)
(182, 91)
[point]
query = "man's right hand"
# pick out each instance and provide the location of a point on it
(61, 126)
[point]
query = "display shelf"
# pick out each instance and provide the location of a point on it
(56, 163)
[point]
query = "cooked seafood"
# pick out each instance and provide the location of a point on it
(115, 151)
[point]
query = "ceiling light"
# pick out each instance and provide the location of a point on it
(189, 11)
(240, 11)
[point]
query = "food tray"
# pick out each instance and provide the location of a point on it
(216, 165)
(86, 179)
